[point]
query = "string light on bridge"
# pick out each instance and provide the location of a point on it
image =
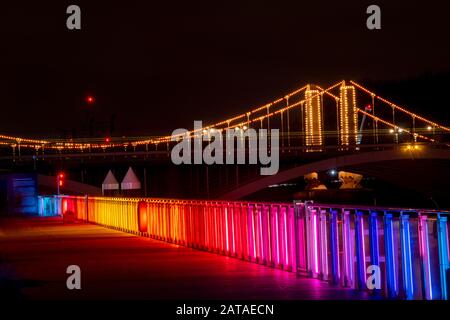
(348, 116)
(252, 118)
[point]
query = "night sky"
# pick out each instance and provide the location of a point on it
(160, 66)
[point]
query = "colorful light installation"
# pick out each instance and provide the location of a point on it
(348, 116)
(49, 206)
(324, 244)
(328, 242)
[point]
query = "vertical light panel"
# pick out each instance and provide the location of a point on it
(373, 235)
(424, 246)
(233, 229)
(259, 231)
(276, 233)
(302, 236)
(237, 230)
(360, 250)
(284, 236)
(313, 118)
(265, 234)
(347, 250)
(323, 245)
(244, 231)
(315, 244)
(64, 205)
(391, 268)
(348, 116)
(443, 254)
(292, 238)
(269, 234)
(308, 241)
(334, 246)
(143, 216)
(374, 242)
(312, 242)
(407, 265)
(251, 233)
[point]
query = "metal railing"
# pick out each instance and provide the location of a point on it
(406, 248)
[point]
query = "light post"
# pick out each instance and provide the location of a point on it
(59, 182)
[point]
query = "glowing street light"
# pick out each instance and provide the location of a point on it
(90, 99)
(59, 181)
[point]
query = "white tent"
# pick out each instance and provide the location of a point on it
(131, 181)
(110, 183)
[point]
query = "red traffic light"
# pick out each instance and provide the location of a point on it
(107, 140)
(60, 179)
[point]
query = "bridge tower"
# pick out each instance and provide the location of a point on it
(348, 116)
(313, 119)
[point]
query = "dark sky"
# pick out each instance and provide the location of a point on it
(159, 66)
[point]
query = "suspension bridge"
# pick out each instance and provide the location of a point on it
(342, 126)
(301, 116)
(345, 126)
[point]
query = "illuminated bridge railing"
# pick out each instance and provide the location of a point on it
(339, 244)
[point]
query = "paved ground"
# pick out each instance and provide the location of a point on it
(35, 252)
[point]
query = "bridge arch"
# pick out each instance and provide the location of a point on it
(345, 161)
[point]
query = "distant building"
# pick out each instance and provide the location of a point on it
(18, 194)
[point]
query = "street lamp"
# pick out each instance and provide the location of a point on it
(59, 181)
(90, 99)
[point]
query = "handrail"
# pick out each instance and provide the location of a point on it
(373, 208)
(336, 246)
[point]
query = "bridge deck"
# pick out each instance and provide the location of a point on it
(35, 252)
